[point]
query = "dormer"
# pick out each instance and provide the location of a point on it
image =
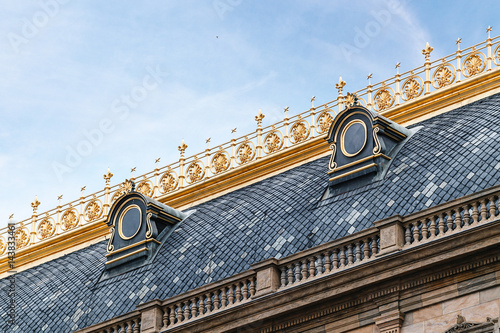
(138, 224)
(363, 143)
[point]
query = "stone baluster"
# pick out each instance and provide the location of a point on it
(230, 296)
(186, 310)
(166, 312)
(416, 237)
(342, 257)
(408, 234)
(466, 216)
(209, 302)
(328, 263)
(172, 316)
(304, 269)
(245, 289)
(449, 221)
(129, 327)
(136, 326)
(441, 224)
(290, 274)
(350, 255)
(223, 298)
(484, 211)
(475, 213)
(201, 306)
(238, 292)
(335, 259)
(297, 272)
(216, 301)
(312, 266)
(433, 226)
(425, 233)
(366, 249)
(252, 287)
(194, 307)
(179, 312)
(492, 207)
(357, 247)
(374, 246)
(283, 275)
(458, 219)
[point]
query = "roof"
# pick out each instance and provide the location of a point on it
(451, 155)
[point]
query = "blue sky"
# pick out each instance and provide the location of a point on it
(199, 69)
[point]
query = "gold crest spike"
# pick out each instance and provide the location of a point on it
(182, 147)
(368, 77)
(427, 51)
(59, 198)
(233, 131)
(488, 30)
(35, 204)
(11, 216)
(312, 101)
(107, 177)
(340, 85)
(157, 160)
(459, 40)
(397, 67)
(83, 188)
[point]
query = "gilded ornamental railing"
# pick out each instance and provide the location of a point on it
(162, 182)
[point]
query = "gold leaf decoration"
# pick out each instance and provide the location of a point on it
(474, 64)
(195, 172)
(245, 153)
(93, 210)
(145, 187)
(384, 99)
(3, 245)
(46, 228)
(22, 237)
(325, 119)
(299, 132)
(220, 162)
(443, 76)
(412, 88)
(168, 182)
(272, 142)
(69, 219)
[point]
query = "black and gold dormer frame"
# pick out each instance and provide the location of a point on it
(363, 144)
(138, 225)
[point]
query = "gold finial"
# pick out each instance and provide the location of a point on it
(340, 85)
(427, 51)
(83, 188)
(312, 101)
(397, 67)
(207, 141)
(157, 161)
(368, 77)
(59, 198)
(11, 216)
(107, 177)
(233, 131)
(459, 40)
(259, 117)
(132, 170)
(182, 148)
(35, 204)
(488, 30)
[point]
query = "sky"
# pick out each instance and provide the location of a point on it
(87, 85)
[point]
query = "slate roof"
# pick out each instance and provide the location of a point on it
(452, 155)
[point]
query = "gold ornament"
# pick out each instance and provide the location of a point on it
(168, 182)
(383, 99)
(272, 142)
(69, 219)
(412, 88)
(93, 210)
(46, 228)
(299, 132)
(443, 76)
(474, 64)
(325, 119)
(220, 162)
(245, 152)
